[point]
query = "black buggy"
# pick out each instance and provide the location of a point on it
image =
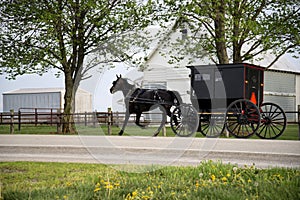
(228, 98)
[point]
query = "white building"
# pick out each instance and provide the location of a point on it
(44, 98)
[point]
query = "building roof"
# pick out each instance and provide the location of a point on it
(41, 90)
(286, 63)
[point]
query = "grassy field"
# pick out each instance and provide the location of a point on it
(208, 180)
(291, 132)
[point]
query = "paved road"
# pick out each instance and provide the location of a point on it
(148, 150)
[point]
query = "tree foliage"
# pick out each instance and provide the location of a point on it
(239, 30)
(38, 35)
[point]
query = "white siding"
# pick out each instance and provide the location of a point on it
(39, 100)
(280, 82)
(83, 102)
(280, 88)
(160, 70)
(36, 98)
(298, 90)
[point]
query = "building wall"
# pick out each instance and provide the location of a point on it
(54, 100)
(83, 102)
(160, 71)
(280, 88)
(297, 90)
(38, 100)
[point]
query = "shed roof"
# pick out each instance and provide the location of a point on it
(41, 90)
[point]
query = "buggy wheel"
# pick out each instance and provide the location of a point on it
(242, 118)
(184, 120)
(211, 125)
(273, 121)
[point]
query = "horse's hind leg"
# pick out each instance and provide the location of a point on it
(124, 123)
(170, 115)
(137, 120)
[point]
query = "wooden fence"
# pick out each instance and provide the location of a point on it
(53, 117)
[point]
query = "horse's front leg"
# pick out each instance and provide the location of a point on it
(125, 123)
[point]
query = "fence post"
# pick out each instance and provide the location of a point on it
(299, 122)
(117, 118)
(19, 120)
(164, 131)
(94, 118)
(12, 121)
(36, 116)
(58, 121)
(51, 116)
(85, 118)
(109, 114)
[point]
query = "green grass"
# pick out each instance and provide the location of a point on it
(208, 180)
(29, 129)
(291, 132)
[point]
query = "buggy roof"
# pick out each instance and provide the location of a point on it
(224, 66)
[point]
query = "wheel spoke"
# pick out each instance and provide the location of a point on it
(274, 121)
(261, 130)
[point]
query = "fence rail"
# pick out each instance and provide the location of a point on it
(52, 118)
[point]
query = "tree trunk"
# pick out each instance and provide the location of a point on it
(237, 47)
(68, 121)
(220, 39)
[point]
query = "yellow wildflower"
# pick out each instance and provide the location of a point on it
(213, 177)
(224, 179)
(69, 184)
(109, 187)
(134, 193)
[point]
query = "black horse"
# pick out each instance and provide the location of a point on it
(139, 100)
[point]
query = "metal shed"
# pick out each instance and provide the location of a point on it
(44, 98)
(282, 88)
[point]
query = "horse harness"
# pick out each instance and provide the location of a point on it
(135, 96)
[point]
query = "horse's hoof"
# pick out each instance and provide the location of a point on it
(121, 132)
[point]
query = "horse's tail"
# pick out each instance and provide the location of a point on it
(177, 98)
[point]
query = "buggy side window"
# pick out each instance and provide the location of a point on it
(202, 77)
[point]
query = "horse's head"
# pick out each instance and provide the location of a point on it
(117, 84)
